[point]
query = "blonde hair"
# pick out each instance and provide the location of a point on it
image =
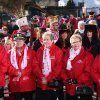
(10, 42)
(74, 36)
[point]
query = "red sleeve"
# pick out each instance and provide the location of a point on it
(35, 64)
(58, 66)
(7, 67)
(86, 74)
(63, 73)
(95, 70)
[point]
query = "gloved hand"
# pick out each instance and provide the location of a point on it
(74, 81)
(71, 81)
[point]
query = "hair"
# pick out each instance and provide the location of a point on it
(75, 36)
(4, 28)
(81, 23)
(48, 34)
(9, 41)
(60, 41)
(38, 34)
(86, 42)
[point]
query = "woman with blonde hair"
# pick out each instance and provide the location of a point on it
(76, 70)
(8, 45)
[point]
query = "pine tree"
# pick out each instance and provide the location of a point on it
(70, 4)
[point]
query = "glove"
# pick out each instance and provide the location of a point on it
(74, 81)
(69, 81)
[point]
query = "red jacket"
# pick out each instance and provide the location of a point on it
(4, 66)
(95, 72)
(2, 79)
(56, 64)
(80, 71)
(27, 82)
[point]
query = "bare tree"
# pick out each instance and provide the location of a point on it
(17, 7)
(14, 7)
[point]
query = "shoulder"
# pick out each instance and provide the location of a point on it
(88, 54)
(30, 50)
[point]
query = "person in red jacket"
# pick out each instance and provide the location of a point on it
(76, 69)
(4, 68)
(49, 60)
(95, 71)
(2, 80)
(21, 58)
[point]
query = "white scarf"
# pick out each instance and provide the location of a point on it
(72, 54)
(46, 62)
(14, 61)
(81, 31)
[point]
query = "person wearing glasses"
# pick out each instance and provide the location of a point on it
(95, 71)
(76, 69)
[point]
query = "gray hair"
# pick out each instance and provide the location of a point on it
(48, 33)
(81, 23)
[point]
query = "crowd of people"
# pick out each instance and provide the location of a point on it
(44, 60)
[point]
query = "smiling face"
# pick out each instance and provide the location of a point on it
(19, 43)
(64, 35)
(76, 42)
(47, 41)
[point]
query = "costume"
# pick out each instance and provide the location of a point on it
(95, 72)
(77, 68)
(54, 58)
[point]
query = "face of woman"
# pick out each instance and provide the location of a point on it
(56, 26)
(76, 43)
(19, 43)
(64, 35)
(47, 41)
(89, 34)
(8, 46)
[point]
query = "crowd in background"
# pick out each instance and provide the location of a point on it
(49, 58)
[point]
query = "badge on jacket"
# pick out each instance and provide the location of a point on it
(79, 61)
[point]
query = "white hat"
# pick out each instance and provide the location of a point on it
(22, 21)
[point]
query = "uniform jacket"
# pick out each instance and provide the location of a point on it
(95, 72)
(56, 64)
(2, 79)
(81, 66)
(4, 66)
(27, 82)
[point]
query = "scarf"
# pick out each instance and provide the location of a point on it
(81, 31)
(46, 62)
(72, 54)
(14, 61)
